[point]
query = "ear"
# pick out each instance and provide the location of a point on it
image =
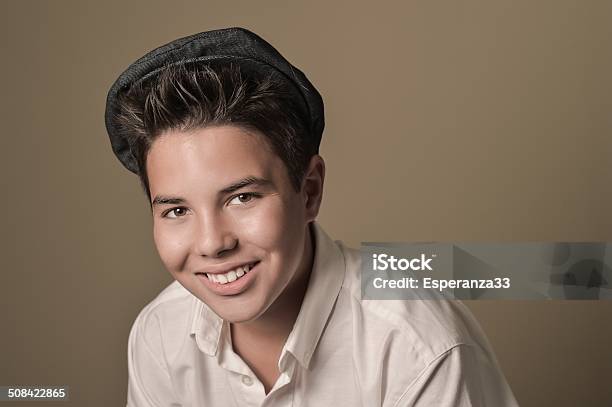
(312, 186)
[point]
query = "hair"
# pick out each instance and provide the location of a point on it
(190, 95)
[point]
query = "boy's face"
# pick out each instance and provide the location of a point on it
(223, 201)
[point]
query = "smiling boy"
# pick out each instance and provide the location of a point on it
(224, 134)
(238, 241)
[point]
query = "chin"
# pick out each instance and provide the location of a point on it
(236, 311)
(237, 317)
(246, 307)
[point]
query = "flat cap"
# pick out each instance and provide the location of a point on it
(236, 45)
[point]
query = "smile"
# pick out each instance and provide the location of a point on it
(231, 275)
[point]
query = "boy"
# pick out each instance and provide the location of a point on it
(265, 310)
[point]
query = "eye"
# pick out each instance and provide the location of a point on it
(242, 199)
(175, 212)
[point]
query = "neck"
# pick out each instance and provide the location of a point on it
(278, 320)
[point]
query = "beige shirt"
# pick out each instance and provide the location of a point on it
(341, 352)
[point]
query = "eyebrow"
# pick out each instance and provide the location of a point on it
(245, 182)
(167, 200)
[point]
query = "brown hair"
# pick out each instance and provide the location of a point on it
(187, 95)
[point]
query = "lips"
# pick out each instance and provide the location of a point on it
(213, 280)
(232, 275)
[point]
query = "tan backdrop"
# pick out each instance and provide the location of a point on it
(446, 120)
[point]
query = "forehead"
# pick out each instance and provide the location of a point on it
(209, 157)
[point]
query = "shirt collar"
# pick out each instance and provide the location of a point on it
(324, 285)
(206, 327)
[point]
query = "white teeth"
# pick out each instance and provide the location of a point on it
(230, 276)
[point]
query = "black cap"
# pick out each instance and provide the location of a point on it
(236, 45)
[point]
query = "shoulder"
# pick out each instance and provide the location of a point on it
(429, 327)
(163, 324)
(422, 339)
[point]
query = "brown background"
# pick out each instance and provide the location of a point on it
(446, 120)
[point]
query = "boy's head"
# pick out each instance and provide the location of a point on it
(214, 78)
(189, 96)
(226, 150)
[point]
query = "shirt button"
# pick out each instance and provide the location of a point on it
(247, 381)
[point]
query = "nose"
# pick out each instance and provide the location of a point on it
(214, 236)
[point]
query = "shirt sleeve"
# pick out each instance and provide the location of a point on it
(461, 377)
(149, 383)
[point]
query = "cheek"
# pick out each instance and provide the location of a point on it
(276, 226)
(172, 246)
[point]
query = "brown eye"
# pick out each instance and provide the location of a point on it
(242, 199)
(176, 212)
